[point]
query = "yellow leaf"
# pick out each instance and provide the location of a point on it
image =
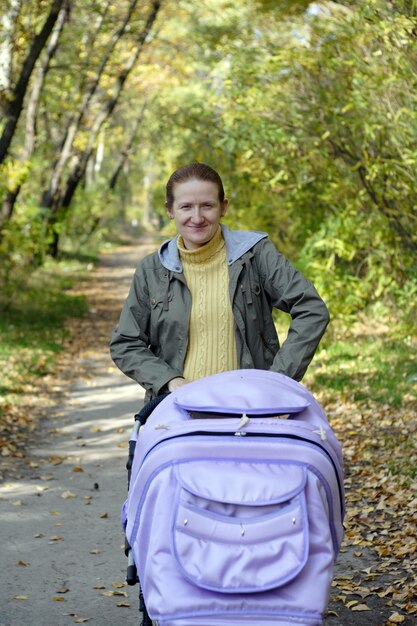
(22, 563)
(110, 594)
(127, 604)
(20, 598)
(118, 585)
(58, 599)
(77, 468)
(104, 515)
(361, 607)
(396, 618)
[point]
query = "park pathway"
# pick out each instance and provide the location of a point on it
(62, 559)
(61, 542)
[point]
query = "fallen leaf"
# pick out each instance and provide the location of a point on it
(77, 468)
(94, 551)
(62, 590)
(58, 599)
(361, 607)
(126, 604)
(68, 494)
(56, 460)
(81, 620)
(110, 594)
(119, 585)
(104, 515)
(38, 536)
(396, 618)
(22, 563)
(99, 587)
(55, 538)
(20, 598)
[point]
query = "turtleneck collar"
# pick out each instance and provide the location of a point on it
(204, 253)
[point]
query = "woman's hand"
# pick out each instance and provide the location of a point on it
(176, 383)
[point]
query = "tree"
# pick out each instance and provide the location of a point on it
(12, 193)
(14, 105)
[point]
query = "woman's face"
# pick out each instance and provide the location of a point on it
(196, 211)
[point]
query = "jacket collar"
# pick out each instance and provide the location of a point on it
(238, 242)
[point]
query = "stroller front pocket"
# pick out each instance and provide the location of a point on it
(241, 536)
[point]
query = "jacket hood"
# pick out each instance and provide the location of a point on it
(238, 242)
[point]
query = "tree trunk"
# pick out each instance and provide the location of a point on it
(11, 195)
(8, 21)
(13, 108)
(126, 149)
(49, 196)
(62, 200)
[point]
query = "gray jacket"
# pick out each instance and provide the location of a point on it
(150, 342)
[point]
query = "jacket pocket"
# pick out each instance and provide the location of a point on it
(236, 536)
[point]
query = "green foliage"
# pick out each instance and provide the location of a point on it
(308, 110)
(311, 117)
(33, 325)
(366, 366)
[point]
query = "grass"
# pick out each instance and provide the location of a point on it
(32, 326)
(367, 367)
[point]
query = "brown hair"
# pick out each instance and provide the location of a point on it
(193, 171)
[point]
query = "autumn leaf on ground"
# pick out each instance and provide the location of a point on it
(20, 598)
(68, 494)
(109, 594)
(361, 607)
(22, 563)
(58, 599)
(125, 604)
(396, 618)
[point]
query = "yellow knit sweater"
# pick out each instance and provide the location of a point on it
(211, 336)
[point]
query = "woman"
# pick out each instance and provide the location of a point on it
(203, 303)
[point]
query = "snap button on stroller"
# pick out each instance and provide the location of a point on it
(235, 507)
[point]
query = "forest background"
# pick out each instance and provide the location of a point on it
(308, 110)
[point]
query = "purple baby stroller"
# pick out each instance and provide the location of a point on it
(235, 507)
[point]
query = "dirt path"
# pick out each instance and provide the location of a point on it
(61, 555)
